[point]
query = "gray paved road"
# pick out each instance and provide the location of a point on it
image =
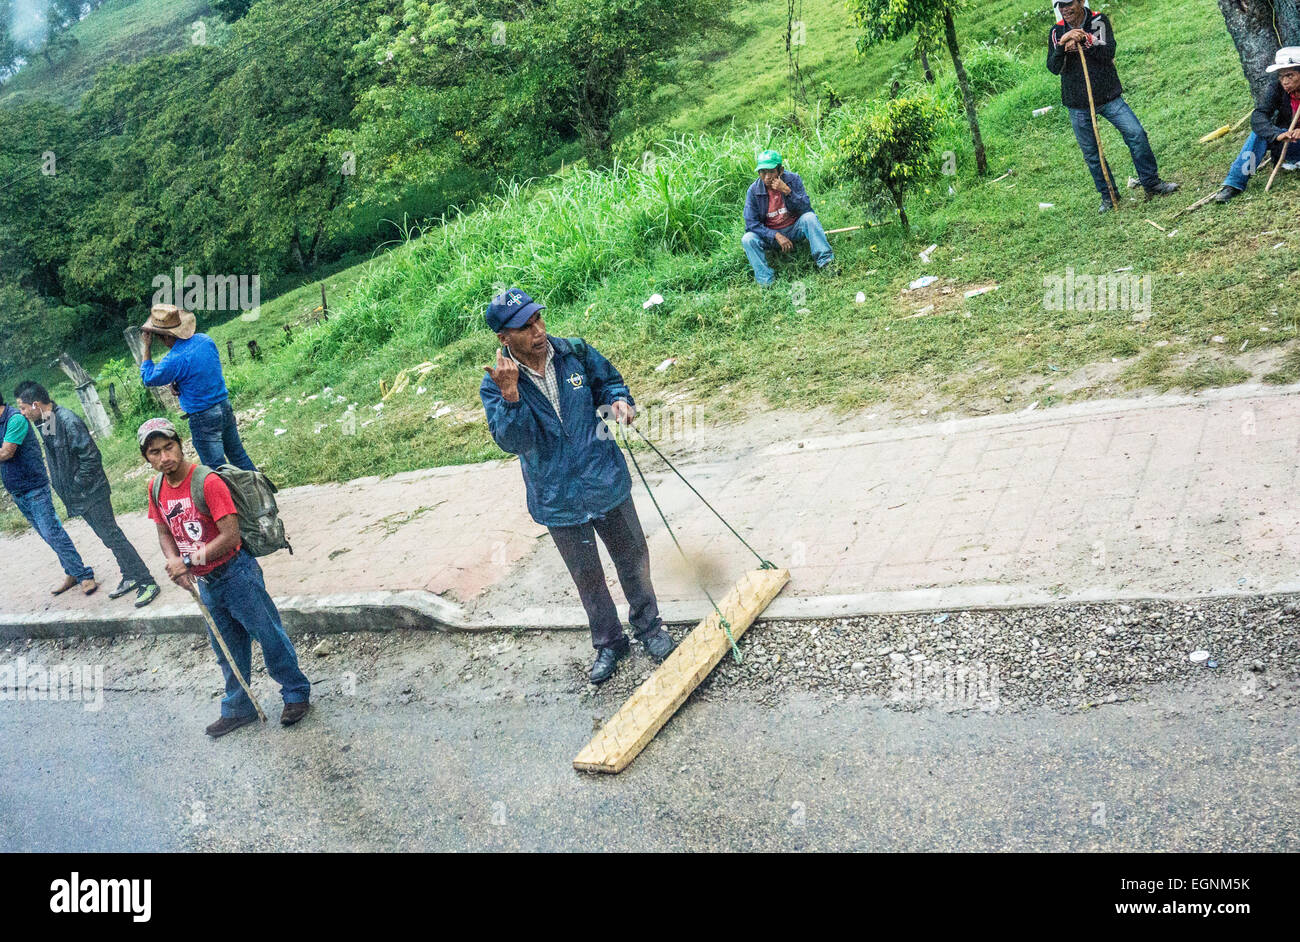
(415, 760)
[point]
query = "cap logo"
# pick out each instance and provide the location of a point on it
(512, 298)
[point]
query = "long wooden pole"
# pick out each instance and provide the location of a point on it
(1092, 110)
(1281, 157)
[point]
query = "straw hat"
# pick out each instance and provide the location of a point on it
(170, 319)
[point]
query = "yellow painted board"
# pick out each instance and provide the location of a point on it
(655, 701)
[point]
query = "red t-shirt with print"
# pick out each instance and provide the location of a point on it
(191, 529)
(778, 217)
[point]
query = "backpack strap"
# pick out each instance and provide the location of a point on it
(155, 490)
(201, 473)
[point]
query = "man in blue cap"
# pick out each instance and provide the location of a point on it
(576, 478)
(778, 213)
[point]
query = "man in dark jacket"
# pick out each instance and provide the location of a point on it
(77, 473)
(1081, 28)
(778, 213)
(1269, 126)
(23, 473)
(545, 400)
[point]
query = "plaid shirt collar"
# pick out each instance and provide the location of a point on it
(547, 380)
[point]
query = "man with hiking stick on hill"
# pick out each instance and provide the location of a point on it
(1081, 50)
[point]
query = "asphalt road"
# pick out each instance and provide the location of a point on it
(429, 742)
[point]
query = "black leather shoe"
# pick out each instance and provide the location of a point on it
(607, 660)
(1163, 188)
(293, 712)
(658, 643)
(228, 724)
(1225, 194)
(123, 587)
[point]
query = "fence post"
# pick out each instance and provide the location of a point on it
(96, 418)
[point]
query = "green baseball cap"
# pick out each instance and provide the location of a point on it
(769, 160)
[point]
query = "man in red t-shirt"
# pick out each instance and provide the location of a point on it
(204, 548)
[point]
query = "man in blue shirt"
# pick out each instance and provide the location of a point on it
(193, 364)
(545, 400)
(23, 472)
(778, 213)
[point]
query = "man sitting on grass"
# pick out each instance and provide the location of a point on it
(1268, 126)
(778, 213)
(200, 539)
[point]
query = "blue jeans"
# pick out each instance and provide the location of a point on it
(216, 437)
(1118, 113)
(237, 598)
(807, 228)
(38, 507)
(1252, 154)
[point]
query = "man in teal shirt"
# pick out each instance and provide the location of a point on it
(22, 470)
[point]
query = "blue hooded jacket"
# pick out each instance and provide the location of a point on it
(573, 471)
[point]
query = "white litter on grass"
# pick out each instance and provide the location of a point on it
(1045, 205)
(367, 422)
(312, 398)
(651, 301)
(923, 282)
(1243, 346)
(665, 364)
(1039, 112)
(1032, 406)
(860, 298)
(1172, 234)
(327, 390)
(976, 292)
(803, 310)
(316, 430)
(925, 253)
(420, 390)
(924, 311)
(378, 407)
(1125, 268)
(340, 398)
(1198, 657)
(1217, 339)
(445, 410)
(281, 431)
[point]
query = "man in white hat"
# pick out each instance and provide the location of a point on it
(1268, 126)
(193, 364)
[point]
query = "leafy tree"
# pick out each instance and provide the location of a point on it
(887, 20)
(890, 148)
(230, 10)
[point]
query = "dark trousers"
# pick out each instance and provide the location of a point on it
(620, 531)
(98, 513)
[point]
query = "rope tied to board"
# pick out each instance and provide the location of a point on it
(763, 563)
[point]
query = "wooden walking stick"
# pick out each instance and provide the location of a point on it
(1092, 110)
(1281, 157)
(212, 626)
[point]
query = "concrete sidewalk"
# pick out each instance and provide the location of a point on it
(1168, 496)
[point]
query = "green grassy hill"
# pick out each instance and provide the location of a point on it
(119, 31)
(596, 246)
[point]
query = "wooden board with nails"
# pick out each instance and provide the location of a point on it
(655, 701)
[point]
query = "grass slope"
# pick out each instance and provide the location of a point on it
(595, 246)
(119, 31)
